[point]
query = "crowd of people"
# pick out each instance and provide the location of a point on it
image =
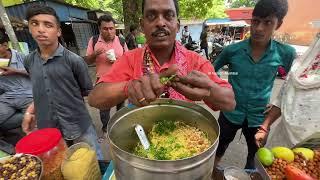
(47, 87)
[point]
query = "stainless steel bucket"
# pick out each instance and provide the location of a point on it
(122, 139)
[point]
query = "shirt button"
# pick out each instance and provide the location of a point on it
(45, 77)
(48, 90)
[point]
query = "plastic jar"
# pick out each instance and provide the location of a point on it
(81, 163)
(49, 146)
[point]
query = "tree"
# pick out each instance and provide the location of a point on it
(129, 11)
(199, 9)
(132, 11)
(113, 6)
(8, 27)
(243, 3)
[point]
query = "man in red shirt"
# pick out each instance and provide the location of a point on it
(104, 50)
(136, 75)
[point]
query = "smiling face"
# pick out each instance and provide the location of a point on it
(44, 29)
(262, 29)
(160, 23)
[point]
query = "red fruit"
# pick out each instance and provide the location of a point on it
(293, 173)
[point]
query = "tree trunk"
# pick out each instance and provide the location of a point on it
(7, 25)
(131, 12)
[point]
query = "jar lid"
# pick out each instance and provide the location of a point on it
(39, 141)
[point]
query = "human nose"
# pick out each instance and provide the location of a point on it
(41, 28)
(259, 26)
(161, 21)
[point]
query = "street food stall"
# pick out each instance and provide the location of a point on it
(168, 139)
(234, 29)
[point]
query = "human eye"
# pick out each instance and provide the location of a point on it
(33, 23)
(170, 15)
(49, 25)
(151, 16)
(268, 22)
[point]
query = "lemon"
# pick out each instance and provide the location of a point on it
(307, 153)
(283, 153)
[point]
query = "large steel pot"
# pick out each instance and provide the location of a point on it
(122, 139)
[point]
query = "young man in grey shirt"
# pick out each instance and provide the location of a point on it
(60, 79)
(15, 95)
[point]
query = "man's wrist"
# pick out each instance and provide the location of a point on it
(264, 128)
(210, 88)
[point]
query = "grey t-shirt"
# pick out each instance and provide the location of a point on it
(58, 86)
(15, 86)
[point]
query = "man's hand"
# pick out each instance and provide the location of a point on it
(195, 86)
(261, 137)
(6, 71)
(28, 123)
(148, 88)
(98, 52)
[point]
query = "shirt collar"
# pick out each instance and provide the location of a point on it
(100, 39)
(57, 53)
(173, 55)
(247, 46)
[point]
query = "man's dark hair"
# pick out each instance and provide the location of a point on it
(3, 37)
(176, 5)
(265, 8)
(37, 9)
(105, 18)
(133, 27)
(185, 26)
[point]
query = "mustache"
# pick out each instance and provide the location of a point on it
(160, 30)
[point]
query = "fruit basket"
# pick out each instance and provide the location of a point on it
(300, 162)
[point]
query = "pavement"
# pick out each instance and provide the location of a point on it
(235, 154)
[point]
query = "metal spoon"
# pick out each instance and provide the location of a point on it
(142, 136)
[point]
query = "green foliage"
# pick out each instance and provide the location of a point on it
(200, 9)
(113, 6)
(243, 3)
(189, 9)
(6, 3)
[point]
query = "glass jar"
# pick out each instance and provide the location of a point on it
(49, 146)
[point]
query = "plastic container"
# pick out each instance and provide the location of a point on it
(235, 173)
(81, 163)
(49, 146)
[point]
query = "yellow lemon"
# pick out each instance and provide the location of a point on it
(283, 153)
(307, 153)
